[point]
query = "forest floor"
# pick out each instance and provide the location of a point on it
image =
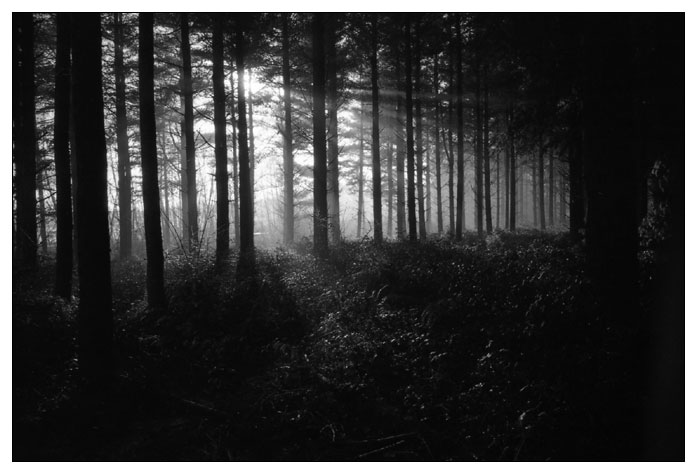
(483, 350)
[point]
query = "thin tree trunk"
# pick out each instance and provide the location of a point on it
(221, 151)
(460, 134)
(236, 176)
(391, 190)
(188, 94)
(184, 180)
(486, 155)
(541, 184)
(333, 138)
(95, 323)
(498, 189)
(576, 189)
(437, 148)
(124, 161)
(25, 137)
(419, 134)
(534, 191)
(250, 125)
(411, 212)
(360, 175)
(551, 189)
(155, 278)
(512, 168)
(479, 203)
(375, 149)
(400, 154)
(319, 140)
(246, 204)
(64, 226)
(42, 213)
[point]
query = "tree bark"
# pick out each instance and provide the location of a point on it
(246, 203)
(419, 135)
(411, 211)
(551, 189)
(479, 203)
(155, 277)
(541, 184)
(320, 241)
(124, 161)
(24, 122)
(221, 150)
(333, 138)
(486, 154)
(360, 175)
(64, 225)
(391, 190)
(95, 323)
(460, 132)
(512, 168)
(437, 148)
(190, 150)
(375, 148)
(400, 153)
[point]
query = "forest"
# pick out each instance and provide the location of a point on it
(348, 236)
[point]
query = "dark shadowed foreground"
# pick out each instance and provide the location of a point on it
(431, 351)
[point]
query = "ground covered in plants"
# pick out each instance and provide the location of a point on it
(481, 350)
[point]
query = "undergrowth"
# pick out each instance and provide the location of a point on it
(484, 350)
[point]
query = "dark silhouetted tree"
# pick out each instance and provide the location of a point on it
(124, 161)
(222, 208)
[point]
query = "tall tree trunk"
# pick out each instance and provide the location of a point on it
(164, 180)
(246, 198)
(184, 180)
(155, 278)
(512, 168)
(576, 177)
(551, 189)
(250, 125)
(449, 147)
(319, 140)
(333, 138)
(360, 175)
(562, 187)
(222, 206)
(400, 153)
(534, 190)
(188, 93)
(437, 148)
(419, 133)
(541, 184)
(460, 134)
(64, 226)
(486, 154)
(95, 323)
(42, 212)
(375, 149)
(25, 137)
(411, 212)
(124, 161)
(391, 190)
(507, 163)
(479, 203)
(236, 176)
(499, 194)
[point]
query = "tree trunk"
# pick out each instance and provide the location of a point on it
(319, 140)
(64, 226)
(250, 125)
(124, 162)
(411, 212)
(478, 150)
(460, 134)
(360, 175)
(576, 178)
(499, 193)
(449, 147)
(486, 154)
(512, 168)
(24, 122)
(534, 190)
(333, 138)
(246, 203)
(391, 190)
(437, 148)
(222, 205)
(155, 278)
(188, 93)
(400, 154)
(42, 212)
(419, 135)
(551, 189)
(375, 149)
(236, 176)
(541, 184)
(95, 323)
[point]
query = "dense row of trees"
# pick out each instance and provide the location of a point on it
(542, 120)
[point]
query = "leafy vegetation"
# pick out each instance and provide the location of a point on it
(430, 351)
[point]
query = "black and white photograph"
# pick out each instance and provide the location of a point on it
(329, 236)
